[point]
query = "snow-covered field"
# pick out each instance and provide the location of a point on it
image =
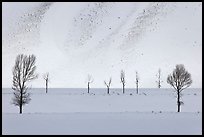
(103, 123)
(73, 111)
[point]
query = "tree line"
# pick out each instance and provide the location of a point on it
(24, 71)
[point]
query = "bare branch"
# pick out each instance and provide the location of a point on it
(46, 76)
(90, 79)
(180, 79)
(159, 81)
(136, 77)
(108, 83)
(122, 76)
(122, 79)
(23, 72)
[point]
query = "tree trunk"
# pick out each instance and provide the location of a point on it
(178, 101)
(123, 88)
(108, 89)
(159, 84)
(88, 87)
(46, 85)
(21, 101)
(20, 107)
(137, 88)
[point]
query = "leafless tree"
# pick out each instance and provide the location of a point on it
(122, 79)
(108, 84)
(159, 81)
(137, 82)
(46, 78)
(23, 72)
(180, 79)
(89, 80)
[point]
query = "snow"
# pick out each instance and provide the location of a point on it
(78, 100)
(74, 111)
(101, 123)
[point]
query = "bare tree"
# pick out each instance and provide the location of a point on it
(23, 72)
(159, 81)
(122, 79)
(108, 84)
(46, 78)
(137, 82)
(180, 79)
(89, 80)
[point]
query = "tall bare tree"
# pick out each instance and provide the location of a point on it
(122, 79)
(46, 78)
(159, 81)
(89, 80)
(137, 82)
(180, 79)
(23, 72)
(108, 84)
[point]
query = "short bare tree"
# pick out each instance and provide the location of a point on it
(122, 79)
(180, 79)
(108, 84)
(46, 78)
(137, 82)
(23, 72)
(89, 80)
(159, 81)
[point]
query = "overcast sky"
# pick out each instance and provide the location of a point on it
(72, 40)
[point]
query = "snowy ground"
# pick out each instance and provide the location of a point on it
(73, 111)
(103, 123)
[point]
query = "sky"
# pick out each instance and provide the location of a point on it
(72, 40)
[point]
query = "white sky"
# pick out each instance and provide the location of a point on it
(72, 40)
